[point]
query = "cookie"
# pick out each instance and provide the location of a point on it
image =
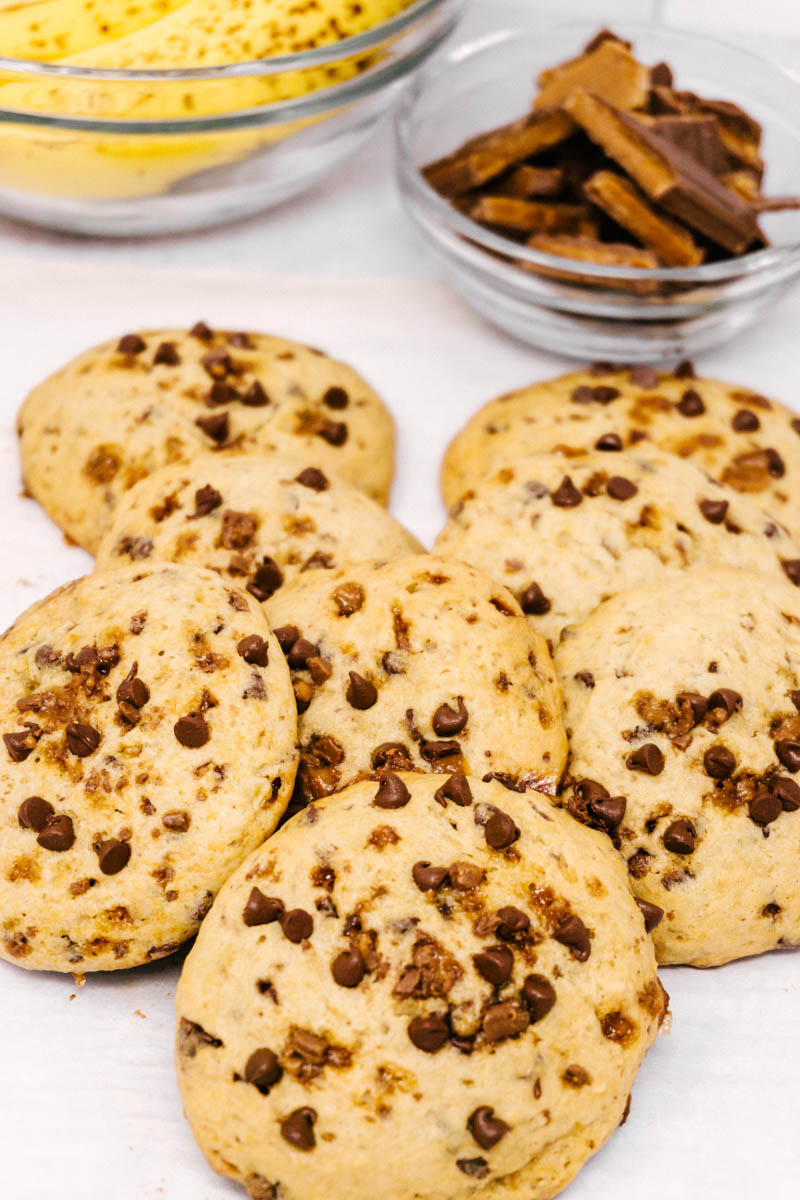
(565, 536)
(748, 442)
(148, 745)
(416, 664)
(259, 520)
(682, 704)
(116, 413)
(407, 994)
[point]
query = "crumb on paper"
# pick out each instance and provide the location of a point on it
(137, 1012)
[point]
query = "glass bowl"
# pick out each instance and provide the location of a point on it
(74, 158)
(592, 311)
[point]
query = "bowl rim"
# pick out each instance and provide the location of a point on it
(277, 64)
(430, 21)
(472, 231)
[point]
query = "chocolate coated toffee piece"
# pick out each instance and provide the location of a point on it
(420, 664)
(660, 177)
(628, 517)
(682, 702)
(487, 1011)
(738, 436)
(148, 744)
(120, 411)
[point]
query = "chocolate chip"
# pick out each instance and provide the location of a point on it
(428, 878)
(714, 511)
(216, 426)
(349, 598)
(486, 1128)
(217, 364)
(684, 369)
(726, 700)
(177, 820)
(297, 925)
(456, 790)
(192, 731)
(133, 690)
(349, 968)
(792, 568)
(20, 744)
(680, 837)
(263, 1070)
(764, 808)
(201, 331)
(787, 792)
(513, 923)
(34, 813)
(429, 1032)
(533, 601)
(254, 650)
(651, 912)
(361, 694)
(584, 677)
(298, 1129)
(255, 396)
(538, 996)
(57, 834)
(131, 343)
(474, 1168)
(697, 703)
(392, 792)
(241, 340)
(609, 441)
(448, 721)
(500, 831)
(333, 432)
(313, 478)
(775, 464)
(300, 651)
(261, 909)
(206, 499)
(82, 740)
(604, 394)
(644, 377)
(691, 404)
(494, 964)
(221, 393)
(166, 355)
(609, 810)
(466, 876)
(647, 758)
(620, 488)
(435, 751)
(788, 752)
(267, 579)
(582, 394)
(392, 755)
(745, 421)
(113, 855)
(574, 934)
(504, 1020)
(336, 397)
(566, 494)
(719, 762)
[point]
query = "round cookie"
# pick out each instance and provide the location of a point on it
(148, 745)
(260, 520)
(388, 999)
(748, 442)
(681, 703)
(417, 664)
(122, 410)
(563, 542)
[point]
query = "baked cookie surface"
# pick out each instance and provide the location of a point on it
(682, 703)
(421, 663)
(148, 745)
(122, 410)
(390, 998)
(565, 536)
(258, 520)
(748, 442)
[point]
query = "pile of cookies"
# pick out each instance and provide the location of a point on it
(435, 816)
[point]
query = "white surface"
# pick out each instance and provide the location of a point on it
(89, 1109)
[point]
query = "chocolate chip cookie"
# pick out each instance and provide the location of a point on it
(425, 986)
(148, 745)
(682, 704)
(122, 410)
(259, 520)
(417, 664)
(748, 442)
(563, 536)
